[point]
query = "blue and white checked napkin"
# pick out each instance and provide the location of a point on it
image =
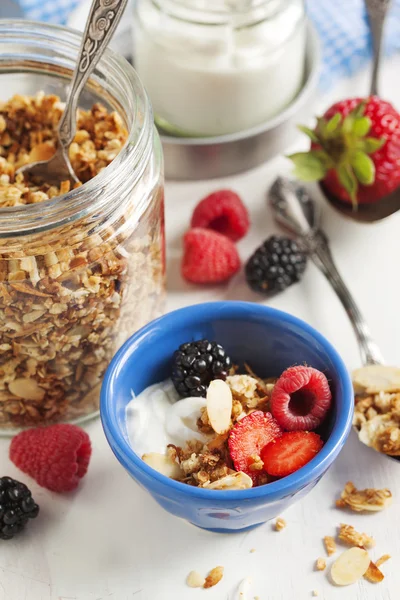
(342, 26)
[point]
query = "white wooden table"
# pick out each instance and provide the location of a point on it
(109, 540)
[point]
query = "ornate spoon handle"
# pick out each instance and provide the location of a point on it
(101, 23)
(377, 11)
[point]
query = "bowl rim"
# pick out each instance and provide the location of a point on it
(227, 309)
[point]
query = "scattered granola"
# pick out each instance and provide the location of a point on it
(280, 524)
(315, 592)
(330, 545)
(350, 536)
(377, 407)
(320, 564)
(364, 500)
(62, 298)
(382, 559)
(195, 580)
(373, 573)
(214, 577)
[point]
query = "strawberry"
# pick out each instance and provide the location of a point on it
(248, 437)
(301, 398)
(290, 452)
(222, 211)
(209, 257)
(355, 151)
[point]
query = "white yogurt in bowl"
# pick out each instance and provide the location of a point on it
(215, 68)
(155, 418)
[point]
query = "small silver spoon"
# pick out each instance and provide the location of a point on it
(377, 11)
(296, 212)
(101, 23)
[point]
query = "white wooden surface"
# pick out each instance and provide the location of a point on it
(109, 540)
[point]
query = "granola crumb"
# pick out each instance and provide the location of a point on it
(280, 524)
(195, 580)
(373, 574)
(330, 545)
(320, 564)
(252, 550)
(214, 577)
(315, 592)
(370, 499)
(382, 559)
(350, 536)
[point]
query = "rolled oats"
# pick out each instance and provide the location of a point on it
(64, 297)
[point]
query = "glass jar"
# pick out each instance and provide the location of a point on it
(215, 67)
(80, 272)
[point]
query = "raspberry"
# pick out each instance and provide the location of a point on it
(209, 257)
(301, 398)
(57, 457)
(290, 452)
(248, 437)
(224, 212)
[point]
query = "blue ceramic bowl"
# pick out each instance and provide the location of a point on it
(270, 341)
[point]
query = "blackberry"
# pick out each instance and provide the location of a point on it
(16, 507)
(195, 364)
(275, 265)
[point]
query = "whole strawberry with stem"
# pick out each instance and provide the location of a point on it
(355, 151)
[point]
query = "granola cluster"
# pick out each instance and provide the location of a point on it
(210, 465)
(377, 419)
(68, 300)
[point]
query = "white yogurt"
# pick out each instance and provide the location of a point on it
(158, 417)
(212, 80)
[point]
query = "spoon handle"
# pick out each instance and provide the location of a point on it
(377, 11)
(322, 257)
(101, 23)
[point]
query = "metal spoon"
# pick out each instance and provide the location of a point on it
(377, 11)
(295, 211)
(101, 23)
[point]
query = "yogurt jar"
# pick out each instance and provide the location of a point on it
(214, 67)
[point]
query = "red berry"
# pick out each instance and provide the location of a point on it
(224, 212)
(363, 157)
(57, 457)
(248, 437)
(290, 452)
(209, 257)
(301, 398)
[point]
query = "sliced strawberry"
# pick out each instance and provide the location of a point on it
(290, 452)
(248, 437)
(301, 398)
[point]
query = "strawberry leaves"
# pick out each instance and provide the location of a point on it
(340, 143)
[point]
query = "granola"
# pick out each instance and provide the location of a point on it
(63, 297)
(280, 524)
(214, 577)
(350, 536)
(377, 408)
(364, 500)
(320, 564)
(330, 545)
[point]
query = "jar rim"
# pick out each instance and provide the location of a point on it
(89, 197)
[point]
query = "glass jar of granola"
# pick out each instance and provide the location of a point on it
(80, 269)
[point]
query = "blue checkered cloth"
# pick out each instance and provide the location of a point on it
(342, 26)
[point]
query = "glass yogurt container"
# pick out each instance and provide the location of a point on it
(79, 272)
(214, 67)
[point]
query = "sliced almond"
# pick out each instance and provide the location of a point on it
(382, 560)
(42, 151)
(163, 464)
(373, 379)
(214, 577)
(373, 574)
(244, 589)
(195, 580)
(27, 388)
(235, 481)
(350, 566)
(219, 405)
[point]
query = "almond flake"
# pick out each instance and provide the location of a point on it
(373, 574)
(214, 577)
(219, 405)
(244, 588)
(26, 388)
(351, 565)
(234, 481)
(368, 500)
(195, 580)
(382, 559)
(163, 464)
